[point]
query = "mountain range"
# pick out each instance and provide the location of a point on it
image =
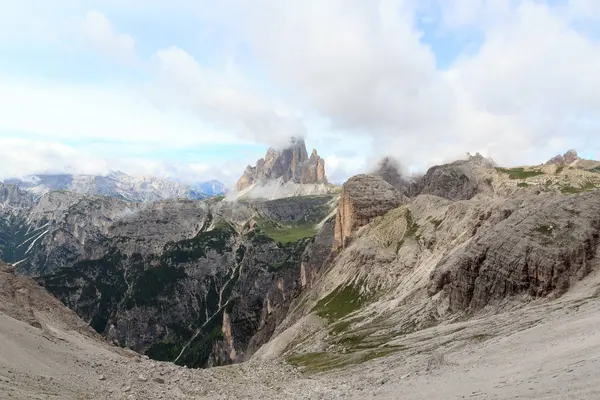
(119, 185)
(388, 284)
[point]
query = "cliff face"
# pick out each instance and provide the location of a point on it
(290, 164)
(474, 240)
(363, 198)
(535, 247)
(458, 180)
(186, 281)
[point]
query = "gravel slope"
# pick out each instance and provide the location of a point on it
(547, 351)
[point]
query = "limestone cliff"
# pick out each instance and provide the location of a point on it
(290, 164)
(363, 198)
(459, 180)
(476, 240)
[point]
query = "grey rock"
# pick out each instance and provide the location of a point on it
(388, 169)
(363, 198)
(458, 180)
(290, 164)
(537, 247)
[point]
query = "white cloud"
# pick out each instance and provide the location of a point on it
(22, 157)
(532, 89)
(224, 98)
(362, 65)
(60, 111)
(101, 34)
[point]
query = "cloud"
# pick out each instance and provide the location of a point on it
(360, 79)
(101, 34)
(364, 66)
(22, 157)
(120, 114)
(225, 98)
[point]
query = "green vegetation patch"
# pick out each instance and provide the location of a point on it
(165, 350)
(323, 361)
(520, 173)
(523, 184)
(291, 233)
(92, 288)
(292, 254)
(411, 226)
(342, 326)
(586, 187)
(343, 301)
(156, 282)
(544, 229)
(197, 354)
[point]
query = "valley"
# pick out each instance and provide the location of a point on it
(292, 285)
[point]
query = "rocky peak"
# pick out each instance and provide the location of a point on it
(291, 163)
(388, 169)
(11, 196)
(480, 161)
(566, 159)
(363, 198)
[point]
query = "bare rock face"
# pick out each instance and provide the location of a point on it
(363, 198)
(540, 247)
(454, 181)
(290, 164)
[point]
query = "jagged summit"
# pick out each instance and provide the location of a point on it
(573, 160)
(481, 161)
(568, 158)
(291, 164)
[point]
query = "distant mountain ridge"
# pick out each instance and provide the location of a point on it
(119, 185)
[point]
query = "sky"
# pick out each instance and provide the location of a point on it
(197, 89)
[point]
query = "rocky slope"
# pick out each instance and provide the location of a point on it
(494, 239)
(284, 173)
(459, 180)
(118, 185)
(200, 283)
(467, 255)
(548, 350)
